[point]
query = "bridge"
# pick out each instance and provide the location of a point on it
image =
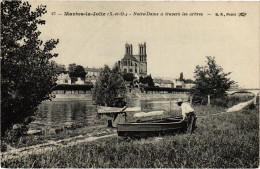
(253, 91)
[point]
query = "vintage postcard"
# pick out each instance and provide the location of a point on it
(130, 84)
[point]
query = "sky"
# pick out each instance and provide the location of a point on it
(174, 43)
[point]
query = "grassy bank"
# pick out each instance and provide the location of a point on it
(97, 125)
(226, 140)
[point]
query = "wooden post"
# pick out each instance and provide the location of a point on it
(170, 104)
(255, 99)
(208, 100)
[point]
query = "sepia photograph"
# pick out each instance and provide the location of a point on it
(130, 84)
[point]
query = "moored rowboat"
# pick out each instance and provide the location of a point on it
(152, 127)
(116, 113)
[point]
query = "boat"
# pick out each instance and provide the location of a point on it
(113, 110)
(120, 107)
(149, 114)
(155, 127)
(116, 114)
(109, 110)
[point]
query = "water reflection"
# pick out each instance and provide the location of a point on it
(62, 114)
(82, 113)
(151, 105)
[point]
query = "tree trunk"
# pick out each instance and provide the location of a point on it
(255, 99)
(208, 100)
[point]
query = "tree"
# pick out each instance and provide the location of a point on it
(59, 68)
(109, 85)
(27, 74)
(211, 80)
(72, 67)
(188, 81)
(147, 80)
(76, 71)
(129, 77)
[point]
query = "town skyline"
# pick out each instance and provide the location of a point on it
(174, 45)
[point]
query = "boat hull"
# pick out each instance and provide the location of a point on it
(151, 128)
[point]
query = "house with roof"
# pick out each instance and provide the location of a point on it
(159, 82)
(64, 78)
(92, 74)
(189, 85)
(179, 84)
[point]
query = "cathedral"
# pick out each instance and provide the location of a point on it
(136, 64)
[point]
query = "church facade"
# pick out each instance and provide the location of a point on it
(135, 64)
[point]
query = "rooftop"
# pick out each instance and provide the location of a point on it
(157, 80)
(130, 57)
(88, 69)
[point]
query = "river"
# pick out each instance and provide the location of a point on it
(57, 114)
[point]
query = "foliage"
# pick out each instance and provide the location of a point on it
(76, 71)
(147, 80)
(188, 81)
(210, 80)
(71, 67)
(129, 77)
(58, 68)
(27, 74)
(109, 85)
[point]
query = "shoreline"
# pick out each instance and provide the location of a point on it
(141, 96)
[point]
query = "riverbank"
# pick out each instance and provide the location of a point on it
(227, 140)
(73, 97)
(142, 96)
(183, 96)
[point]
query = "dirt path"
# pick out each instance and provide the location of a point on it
(51, 145)
(234, 108)
(240, 106)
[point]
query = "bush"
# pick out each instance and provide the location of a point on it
(147, 80)
(109, 85)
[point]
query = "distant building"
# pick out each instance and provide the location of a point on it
(80, 81)
(163, 83)
(189, 85)
(179, 84)
(64, 78)
(92, 74)
(136, 64)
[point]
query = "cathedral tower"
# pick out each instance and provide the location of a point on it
(128, 49)
(135, 64)
(143, 58)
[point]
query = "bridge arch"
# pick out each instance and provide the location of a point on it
(253, 91)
